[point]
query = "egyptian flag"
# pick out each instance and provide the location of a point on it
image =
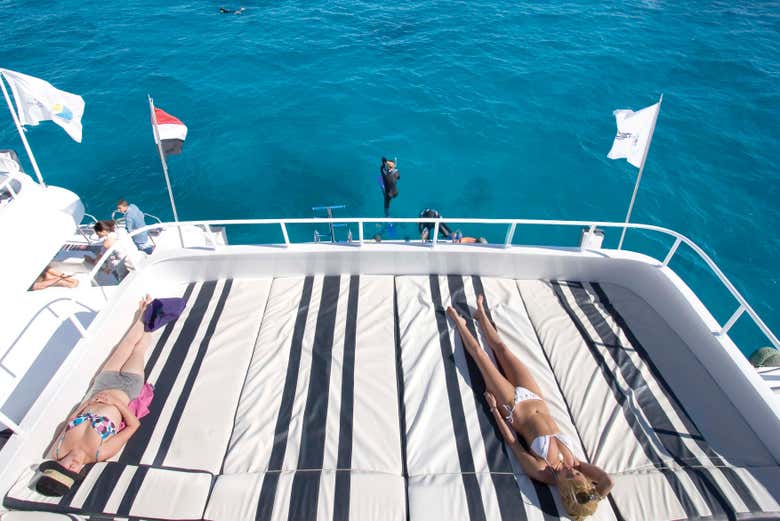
(172, 132)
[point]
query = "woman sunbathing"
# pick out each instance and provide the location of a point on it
(92, 433)
(50, 277)
(551, 457)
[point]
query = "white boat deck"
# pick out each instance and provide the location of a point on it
(350, 397)
(771, 376)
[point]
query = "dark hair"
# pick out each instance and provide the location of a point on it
(56, 480)
(104, 226)
(384, 160)
(122, 202)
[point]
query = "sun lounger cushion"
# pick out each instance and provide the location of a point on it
(458, 465)
(197, 367)
(317, 431)
(122, 490)
(632, 410)
(371, 496)
(351, 397)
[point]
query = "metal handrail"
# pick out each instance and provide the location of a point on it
(511, 224)
(91, 217)
(121, 221)
(149, 215)
(6, 185)
(70, 316)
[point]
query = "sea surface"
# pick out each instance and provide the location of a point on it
(493, 109)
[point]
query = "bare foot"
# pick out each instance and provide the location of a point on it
(456, 317)
(481, 315)
(142, 304)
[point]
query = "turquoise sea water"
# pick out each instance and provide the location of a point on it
(494, 109)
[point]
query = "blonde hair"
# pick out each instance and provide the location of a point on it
(570, 489)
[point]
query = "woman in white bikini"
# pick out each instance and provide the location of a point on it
(551, 459)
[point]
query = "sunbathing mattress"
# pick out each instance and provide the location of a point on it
(351, 397)
(647, 410)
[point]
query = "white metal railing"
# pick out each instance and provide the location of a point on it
(511, 225)
(69, 315)
(7, 186)
(121, 222)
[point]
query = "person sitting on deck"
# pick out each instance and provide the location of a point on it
(106, 231)
(523, 411)
(458, 238)
(92, 433)
(50, 277)
(134, 219)
(427, 228)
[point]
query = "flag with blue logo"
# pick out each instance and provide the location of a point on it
(38, 100)
(634, 132)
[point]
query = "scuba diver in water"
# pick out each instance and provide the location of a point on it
(427, 228)
(390, 177)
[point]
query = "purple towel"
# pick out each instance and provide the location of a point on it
(160, 311)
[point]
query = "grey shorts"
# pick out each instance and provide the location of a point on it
(130, 383)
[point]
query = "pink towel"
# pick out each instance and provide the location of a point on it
(140, 404)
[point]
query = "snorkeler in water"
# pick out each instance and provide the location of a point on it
(390, 177)
(224, 10)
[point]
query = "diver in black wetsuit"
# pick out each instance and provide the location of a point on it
(224, 10)
(390, 177)
(427, 228)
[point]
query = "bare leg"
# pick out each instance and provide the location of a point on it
(135, 363)
(516, 372)
(495, 382)
(124, 350)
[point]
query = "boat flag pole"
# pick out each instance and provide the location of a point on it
(21, 134)
(165, 167)
(639, 176)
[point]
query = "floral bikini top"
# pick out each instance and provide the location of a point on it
(102, 425)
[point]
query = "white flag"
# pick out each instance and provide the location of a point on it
(38, 100)
(634, 131)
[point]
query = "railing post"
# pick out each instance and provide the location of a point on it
(510, 234)
(732, 320)
(8, 422)
(672, 251)
(78, 325)
(284, 233)
(212, 236)
(435, 239)
(360, 233)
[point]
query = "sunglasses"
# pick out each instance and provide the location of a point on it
(586, 497)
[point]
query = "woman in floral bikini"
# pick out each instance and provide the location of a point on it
(92, 432)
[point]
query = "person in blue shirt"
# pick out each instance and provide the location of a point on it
(134, 219)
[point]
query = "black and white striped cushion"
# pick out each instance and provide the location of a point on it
(197, 365)
(458, 465)
(197, 368)
(351, 397)
(317, 432)
(618, 393)
(122, 490)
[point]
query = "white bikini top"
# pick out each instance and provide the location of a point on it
(541, 445)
